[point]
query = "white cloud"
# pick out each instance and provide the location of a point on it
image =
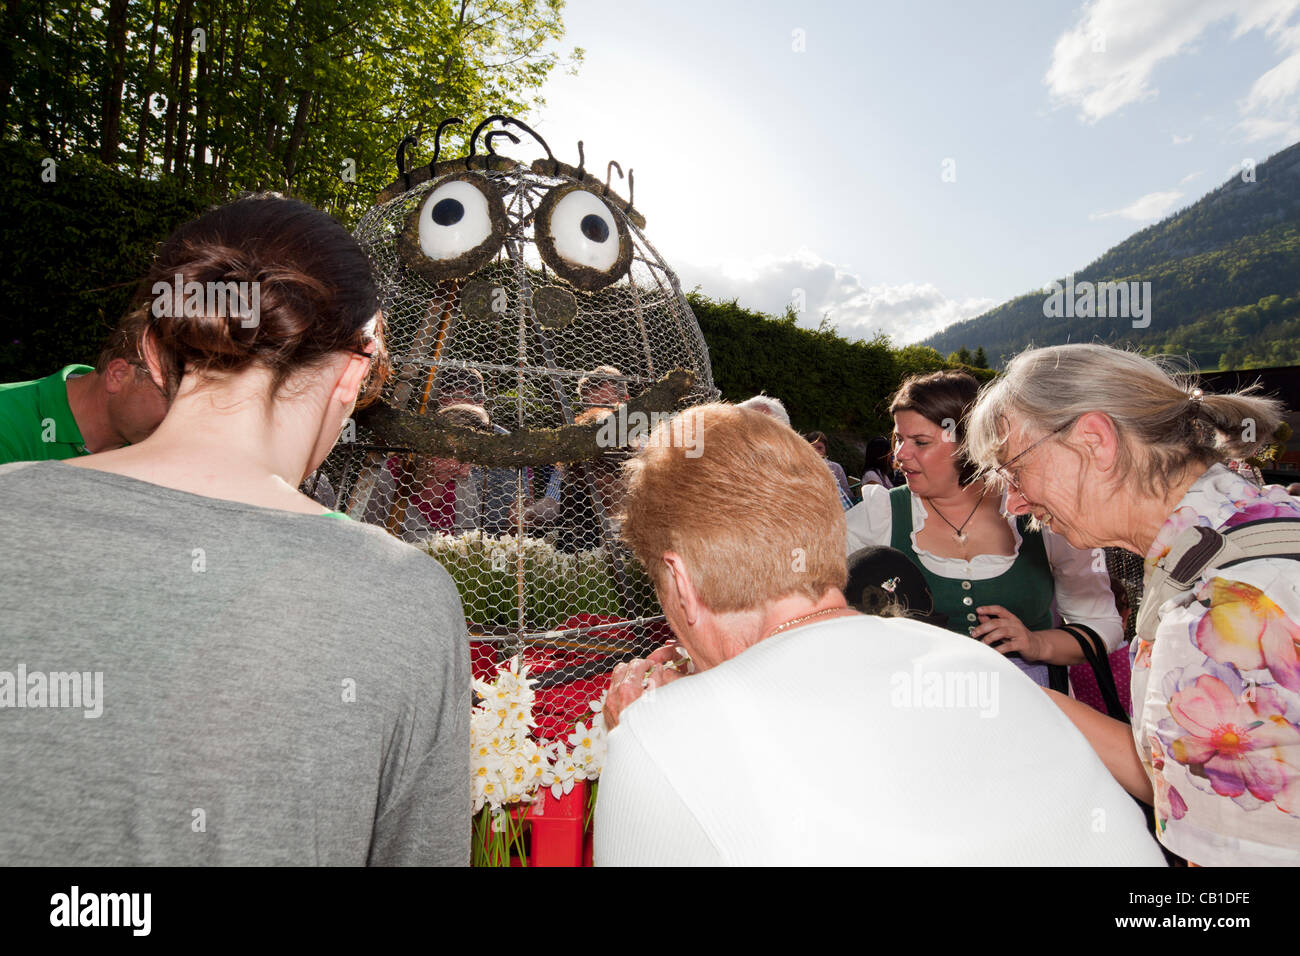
(1179, 140)
(1190, 176)
(1145, 208)
(907, 312)
(1106, 60)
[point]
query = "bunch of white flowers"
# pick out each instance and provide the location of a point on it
(507, 766)
(588, 742)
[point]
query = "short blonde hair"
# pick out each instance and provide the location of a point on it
(1163, 429)
(748, 504)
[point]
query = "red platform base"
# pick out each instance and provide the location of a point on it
(557, 837)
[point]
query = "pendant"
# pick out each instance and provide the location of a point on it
(961, 536)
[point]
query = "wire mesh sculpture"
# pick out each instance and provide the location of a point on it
(534, 333)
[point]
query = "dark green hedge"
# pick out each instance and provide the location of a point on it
(826, 382)
(73, 251)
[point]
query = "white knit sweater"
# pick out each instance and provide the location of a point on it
(860, 740)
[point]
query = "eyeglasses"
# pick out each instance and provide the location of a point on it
(362, 352)
(1003, 471)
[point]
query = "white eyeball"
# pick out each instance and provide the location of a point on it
(584, 231)
(453, 220)
(582, 238)
(455, 230)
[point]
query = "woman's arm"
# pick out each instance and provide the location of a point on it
(1055, 647)
(1112, 740)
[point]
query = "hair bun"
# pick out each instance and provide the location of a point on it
(262, 280)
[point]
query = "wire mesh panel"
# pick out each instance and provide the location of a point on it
(518, 299)
(1126, 571)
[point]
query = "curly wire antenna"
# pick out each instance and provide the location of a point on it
(437, 139)
(487, 140)
(407, 140)
(582, 160)
(473, 137)
(613, 164)
(555, 163)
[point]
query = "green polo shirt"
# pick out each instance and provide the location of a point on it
(36, 423)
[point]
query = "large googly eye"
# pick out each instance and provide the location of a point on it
(582, 238)
(456, 229)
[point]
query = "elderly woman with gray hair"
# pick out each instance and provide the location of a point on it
(1113, 449)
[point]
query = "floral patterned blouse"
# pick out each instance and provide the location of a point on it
(1216, 695)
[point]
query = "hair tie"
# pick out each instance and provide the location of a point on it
(1195, 396)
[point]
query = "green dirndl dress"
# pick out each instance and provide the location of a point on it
(1026, 589)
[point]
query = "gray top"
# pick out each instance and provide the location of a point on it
(189, 680)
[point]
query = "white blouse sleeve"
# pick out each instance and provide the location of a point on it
(1083, 594)
(870, 521)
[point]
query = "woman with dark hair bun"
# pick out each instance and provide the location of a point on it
(996, 578)
(278, 685)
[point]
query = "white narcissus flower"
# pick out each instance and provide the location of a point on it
(581, 738)
(485, 781)
(516, 778)
(484, 689)
(589, 747)
(561, 775)
(537, 760)
(492, 792)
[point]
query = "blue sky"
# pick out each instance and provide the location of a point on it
(784, 146)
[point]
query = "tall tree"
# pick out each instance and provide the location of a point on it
(148, 86)
(280, 94)
(113, 80)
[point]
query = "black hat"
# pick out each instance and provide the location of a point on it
(879, 577)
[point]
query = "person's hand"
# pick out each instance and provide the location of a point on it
(1007, 633)
(631, 679)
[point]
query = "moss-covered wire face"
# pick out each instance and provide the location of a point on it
(504, 287)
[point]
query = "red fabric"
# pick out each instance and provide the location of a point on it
(556, 709)
(1085, 687)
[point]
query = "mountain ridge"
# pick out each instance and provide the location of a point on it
(1224, 274)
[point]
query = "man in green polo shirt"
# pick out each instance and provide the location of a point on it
(80, 410)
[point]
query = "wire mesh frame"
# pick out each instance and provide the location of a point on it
(539, 569)
(1127, 568)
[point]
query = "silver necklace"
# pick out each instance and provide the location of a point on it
(960, 533)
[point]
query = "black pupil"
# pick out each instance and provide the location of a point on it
(448, 212)
(594, 228)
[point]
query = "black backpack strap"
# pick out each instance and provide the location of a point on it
(1094, 651)
(1058, 678)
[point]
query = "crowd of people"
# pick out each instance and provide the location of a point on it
(417, 497)
(869, 675)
